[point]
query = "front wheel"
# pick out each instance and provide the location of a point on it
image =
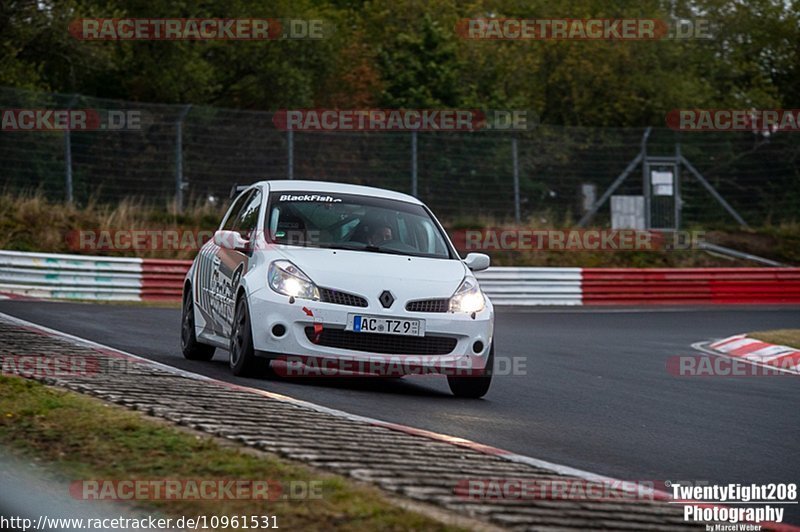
(243, 360)
(191, 348)
(473, 386)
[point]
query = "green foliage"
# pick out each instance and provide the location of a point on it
(421, 68)
(406, 53)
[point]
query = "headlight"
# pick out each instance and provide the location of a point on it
(468, 298)
(287, 279)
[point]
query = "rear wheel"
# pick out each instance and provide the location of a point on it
(243, 360)
(473, 386)
(191, 348)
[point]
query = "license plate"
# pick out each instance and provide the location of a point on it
(374, 324)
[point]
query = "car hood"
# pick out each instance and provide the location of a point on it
(369, 274)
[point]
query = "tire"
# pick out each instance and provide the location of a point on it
(191, 348)
(243, 361)
(473, 387)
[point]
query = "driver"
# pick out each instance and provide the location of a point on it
(379, 235)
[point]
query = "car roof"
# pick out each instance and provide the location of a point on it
(328, 187)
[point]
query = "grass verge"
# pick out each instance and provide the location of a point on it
(83, 438)
(788, 337)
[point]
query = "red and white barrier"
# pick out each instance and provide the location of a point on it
(133, 279)
(58, 276)
(644, 286)
(163, 279)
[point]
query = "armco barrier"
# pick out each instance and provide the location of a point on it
(132, 279)
(632, 286)
(58, 276)
(163, 279)
(532, 286)
(70, 276)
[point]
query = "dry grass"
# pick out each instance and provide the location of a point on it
(29, 222)
(788, 337)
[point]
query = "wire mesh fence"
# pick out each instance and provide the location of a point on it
(191, 153)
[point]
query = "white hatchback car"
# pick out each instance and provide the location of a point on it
(329, 271)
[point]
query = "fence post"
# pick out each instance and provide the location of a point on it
(68, 155)
(646, 178)
(179, 158)
(414, 185)
(290, 154)
(515, 161)
(678, 200)
(713, 192)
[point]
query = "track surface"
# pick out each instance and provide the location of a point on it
(596, 394)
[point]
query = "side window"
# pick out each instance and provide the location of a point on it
(247, 220)
(233, 212)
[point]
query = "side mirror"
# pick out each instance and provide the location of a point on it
(230, 240)
(477, 261)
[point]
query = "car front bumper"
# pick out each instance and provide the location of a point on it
(305, 323)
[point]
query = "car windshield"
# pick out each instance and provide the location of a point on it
(360, 223)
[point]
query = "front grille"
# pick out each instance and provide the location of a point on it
(390, 344)
(341, 298)
(428, 305)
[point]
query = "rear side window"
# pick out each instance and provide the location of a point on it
(233, 212)
(246, 222)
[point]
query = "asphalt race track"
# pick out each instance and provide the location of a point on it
(595, 395)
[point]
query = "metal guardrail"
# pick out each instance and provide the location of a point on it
(162, 280)
(531, 286)
(132, 279)
(690, 286)
(70, 276)
(728, 252)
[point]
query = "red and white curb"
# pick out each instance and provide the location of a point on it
(742, 347)
(453, 440)
(10, 295)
